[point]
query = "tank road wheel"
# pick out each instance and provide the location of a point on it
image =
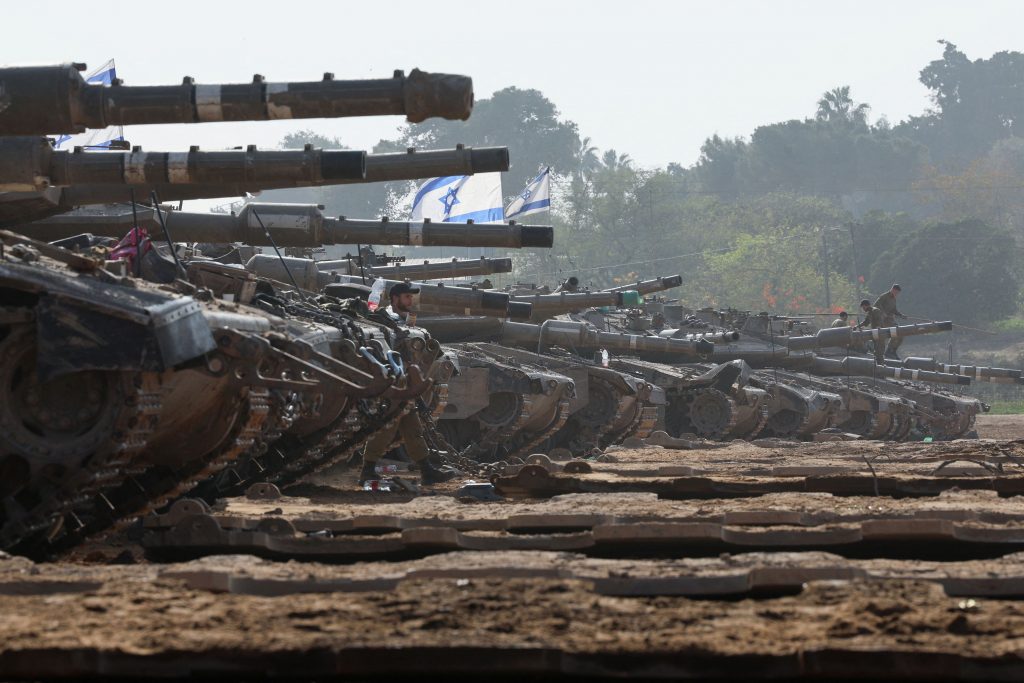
(64, 438)
(504, 407)
(783, 424)
(57, 422)
(677, 415)
(712, 414)
(861, 423)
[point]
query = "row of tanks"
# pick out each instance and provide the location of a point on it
(136, 371)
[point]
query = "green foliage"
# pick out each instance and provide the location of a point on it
(965, 271)
(1014, 324)
(523, 120)
(360, 200)
(977, 103)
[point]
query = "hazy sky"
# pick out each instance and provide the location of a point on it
(652, 79)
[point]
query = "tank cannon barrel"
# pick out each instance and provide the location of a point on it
(645, 287)
(547, 305)
(441, 298)
(41, 100)
(866, 367)
(438, 270)
(975, 372)
(315, 275)
(293, 225)
(570, 335)
(846, 336)
(31, 164)
(23, 207)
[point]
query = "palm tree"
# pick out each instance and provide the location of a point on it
(836, 105)
(586, 158)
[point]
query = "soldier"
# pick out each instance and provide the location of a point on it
(409, 428)
(842, 320)
(872, 319)
(887, 305)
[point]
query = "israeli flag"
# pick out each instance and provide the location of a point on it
(534, 199)
(95, 139)
(460, 198)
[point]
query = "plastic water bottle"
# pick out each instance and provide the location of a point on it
(376, 292)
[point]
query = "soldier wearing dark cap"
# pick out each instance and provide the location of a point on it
(887, 305)
(872, 319)
(408, 428)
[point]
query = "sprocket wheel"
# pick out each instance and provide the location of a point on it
(711, 413)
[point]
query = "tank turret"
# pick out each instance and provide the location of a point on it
(41, 100)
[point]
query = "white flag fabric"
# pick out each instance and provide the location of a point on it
(95, 138)
(457, 199)
(534, 199)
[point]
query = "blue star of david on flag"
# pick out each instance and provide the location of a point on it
(450, 199)
(458, 199)
(534, 199)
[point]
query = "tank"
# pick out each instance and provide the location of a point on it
(608, 406)
(24, 207)
(497, 409)
(96, 435)
(42, 100)
(121, 394)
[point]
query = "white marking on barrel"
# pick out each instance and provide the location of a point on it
(274, 110)
(135, 168)
(208, 105)
(416, 234)
(177, 167)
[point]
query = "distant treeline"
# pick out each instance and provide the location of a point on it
(935, 202)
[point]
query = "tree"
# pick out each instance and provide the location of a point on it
(836, 106)
(357, 200)
(965, 271)
(976, 103)
(523, 120)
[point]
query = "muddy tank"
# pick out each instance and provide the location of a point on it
(498, 408)
(121, 394)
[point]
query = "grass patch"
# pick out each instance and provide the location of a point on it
(1007, 408)
(1008, 325)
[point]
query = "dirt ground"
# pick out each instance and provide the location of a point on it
(793, 613)
(1003, 427)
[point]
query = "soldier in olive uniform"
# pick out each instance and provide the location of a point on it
(408, 428)
(873, 320)
(887, 305)
(842, 321)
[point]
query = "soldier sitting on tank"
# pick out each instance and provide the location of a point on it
(842, 320)
(873, 320)
(409, 428)
(887, 305)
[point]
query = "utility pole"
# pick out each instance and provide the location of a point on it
(853, 260)
(824, 264)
